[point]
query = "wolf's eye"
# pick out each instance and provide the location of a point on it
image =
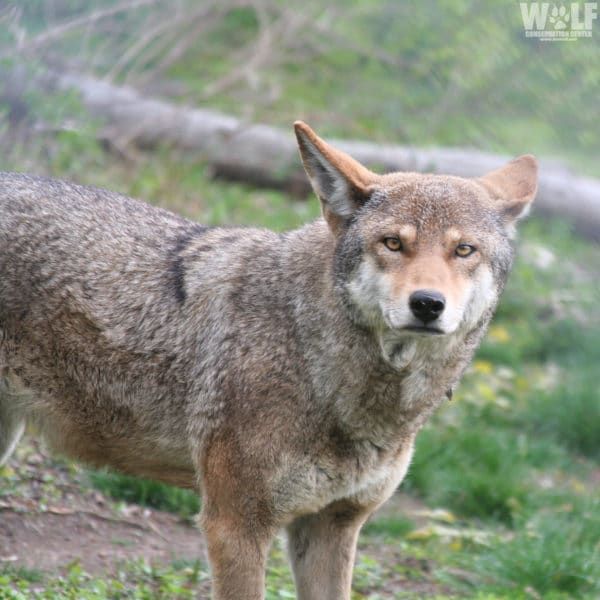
(464, 250)
(393, 244)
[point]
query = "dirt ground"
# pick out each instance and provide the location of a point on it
(48, 520)
(97, 539)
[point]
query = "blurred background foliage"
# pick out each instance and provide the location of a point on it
(457, 73)
(514, 460)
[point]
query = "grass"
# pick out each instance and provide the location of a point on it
(478, 472)
(570, 415)
(556, 551)
(135, 580)
(147, 492)
(394, 527)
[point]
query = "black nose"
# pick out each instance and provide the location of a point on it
(426, 305)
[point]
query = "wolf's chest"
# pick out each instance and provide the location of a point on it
(367, 475)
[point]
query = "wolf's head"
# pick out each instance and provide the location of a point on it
(418, 255)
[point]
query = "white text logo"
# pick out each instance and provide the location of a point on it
(558, 22)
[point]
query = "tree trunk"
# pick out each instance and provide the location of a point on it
(265, 155)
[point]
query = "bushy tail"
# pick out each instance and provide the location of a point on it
(12, 421)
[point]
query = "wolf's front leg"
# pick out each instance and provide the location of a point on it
(237, 519)
(238, 556)
(321, 547)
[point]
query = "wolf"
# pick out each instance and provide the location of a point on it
(282, 376)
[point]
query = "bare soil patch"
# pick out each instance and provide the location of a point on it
(49, 519)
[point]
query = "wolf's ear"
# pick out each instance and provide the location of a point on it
(513, 187)
(341, 183)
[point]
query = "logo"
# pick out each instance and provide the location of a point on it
(558, 22)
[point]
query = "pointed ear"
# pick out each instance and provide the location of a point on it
(342, 184)
(513, 187)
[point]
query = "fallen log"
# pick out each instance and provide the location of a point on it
(265, 155)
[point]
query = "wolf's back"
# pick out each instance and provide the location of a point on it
(31, 206)
(56, 235)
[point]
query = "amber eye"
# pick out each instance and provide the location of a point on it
(393, 244)
(464, 250)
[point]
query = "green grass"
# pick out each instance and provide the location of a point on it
(570, 414)
(135, 580)
(144, 491)
(556, 551)
(394, 527)
(476, 472)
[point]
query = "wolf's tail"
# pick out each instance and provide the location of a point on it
(12, 421)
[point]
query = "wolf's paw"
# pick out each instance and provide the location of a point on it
(559, 17)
